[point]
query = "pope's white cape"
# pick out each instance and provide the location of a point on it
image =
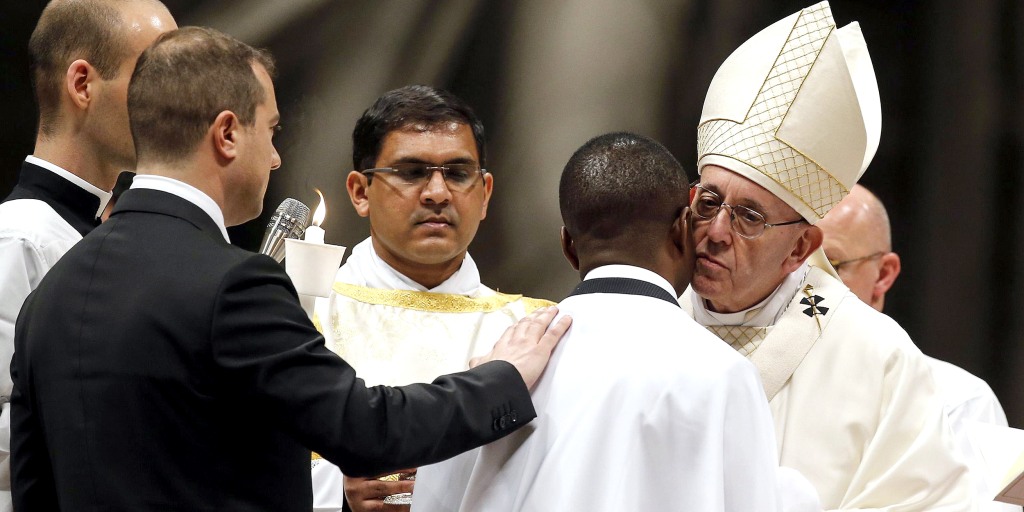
(859, 415)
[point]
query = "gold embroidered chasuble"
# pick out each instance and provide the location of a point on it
(396, 337)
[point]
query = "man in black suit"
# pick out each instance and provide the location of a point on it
(207, 387)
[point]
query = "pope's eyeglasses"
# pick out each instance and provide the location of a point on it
(457, 177)
(746, 222)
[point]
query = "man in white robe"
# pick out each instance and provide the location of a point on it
(858, 244)
(83, 54)
(790, 122)
(408, 305)
(657, 415)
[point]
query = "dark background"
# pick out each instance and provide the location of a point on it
(546, 76)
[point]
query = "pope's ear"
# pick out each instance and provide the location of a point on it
(357, 184)
(810, 240)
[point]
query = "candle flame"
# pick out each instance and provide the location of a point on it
(321, 210)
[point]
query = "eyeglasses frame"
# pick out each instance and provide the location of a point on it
(443, 169)
(732, 213)
(837, 264)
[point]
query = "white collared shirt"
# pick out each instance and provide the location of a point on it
(186, 192)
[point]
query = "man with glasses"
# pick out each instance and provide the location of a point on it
(408, 304)
(790, 122)
(858, 243)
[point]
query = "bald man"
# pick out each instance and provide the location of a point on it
(83, 53)
(858, 243)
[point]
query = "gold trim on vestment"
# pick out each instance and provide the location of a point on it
(317, 324)
(434, 302)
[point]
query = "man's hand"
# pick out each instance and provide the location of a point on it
(528, 344)
(367, 494)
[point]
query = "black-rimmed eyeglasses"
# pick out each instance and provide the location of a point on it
(746, 222)
(457, 177)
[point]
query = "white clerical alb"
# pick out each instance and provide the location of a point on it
(48, 213)
(394, 331)
(652, 413)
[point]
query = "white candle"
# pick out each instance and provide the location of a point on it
(315, 233)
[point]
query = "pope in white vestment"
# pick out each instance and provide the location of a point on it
(396, 332)
(649, 414)
(790, 122)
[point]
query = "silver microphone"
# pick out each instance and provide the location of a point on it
(289, 221)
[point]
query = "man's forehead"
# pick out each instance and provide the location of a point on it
(739, 188)
(424, 141)
(419, 126)
(144, 21)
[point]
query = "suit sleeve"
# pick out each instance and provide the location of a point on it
(272, 356)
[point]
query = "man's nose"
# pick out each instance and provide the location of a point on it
(436, 190)
(720, 226)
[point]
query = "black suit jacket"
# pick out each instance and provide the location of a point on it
(159, 368)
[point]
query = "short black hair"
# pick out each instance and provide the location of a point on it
(412, 104)
(618, 183)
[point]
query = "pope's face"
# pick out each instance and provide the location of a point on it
(734, 273)
(427, 226)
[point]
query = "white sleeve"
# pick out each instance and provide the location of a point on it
(22, 266)
(328, 487)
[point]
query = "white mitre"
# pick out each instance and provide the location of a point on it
(796, 110)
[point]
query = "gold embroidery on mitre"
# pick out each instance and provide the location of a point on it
(426, 301)
(742, 338)
(755, 142)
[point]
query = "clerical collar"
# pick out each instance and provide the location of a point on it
(186, 192)
(103, 196)
(631, 272)
(366, 268)
(762, 314)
